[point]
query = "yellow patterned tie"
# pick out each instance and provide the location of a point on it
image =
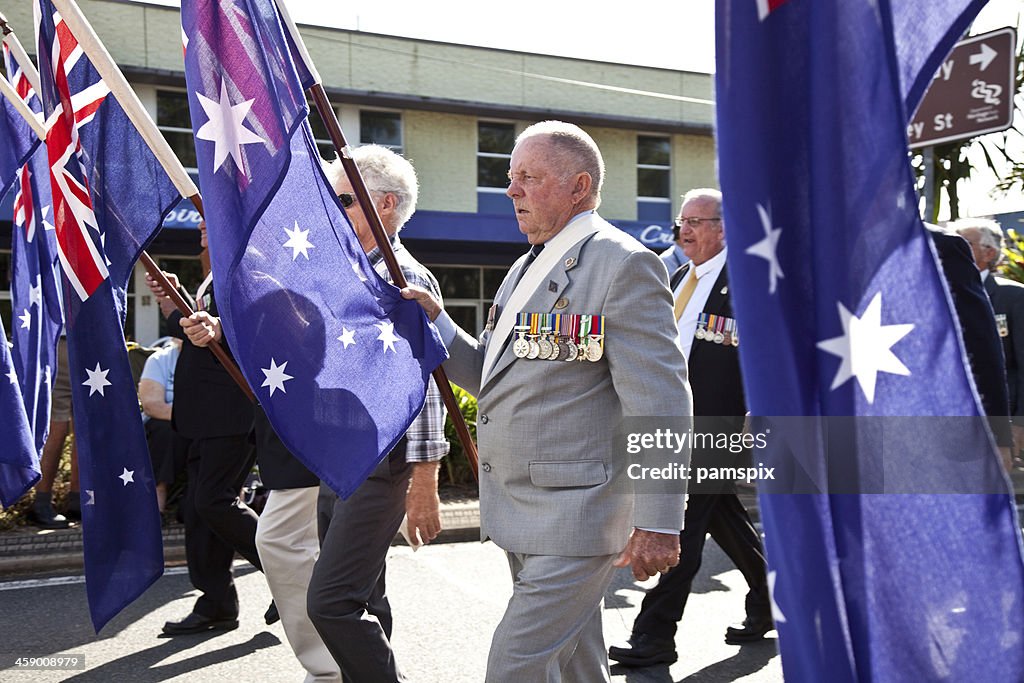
(685, 293)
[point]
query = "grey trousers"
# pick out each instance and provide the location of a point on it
(346, 600)
(552, 629)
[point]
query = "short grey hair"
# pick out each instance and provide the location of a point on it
(383, 170)
(989, 231)
(577, 147)
(709, 193)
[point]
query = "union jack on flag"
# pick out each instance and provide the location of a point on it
(110, 196)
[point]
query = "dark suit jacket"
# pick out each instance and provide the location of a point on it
(279, 469)
(1008, 299)
(207, 402)
(978, 323)
(719, 404)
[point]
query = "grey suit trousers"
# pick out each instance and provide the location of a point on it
(346, 600)
(551, 631)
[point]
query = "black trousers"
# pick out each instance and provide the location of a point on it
(723, 516)
(217, 523)
(346, 599)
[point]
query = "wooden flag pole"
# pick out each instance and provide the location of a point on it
(140, 118)
(330, 120)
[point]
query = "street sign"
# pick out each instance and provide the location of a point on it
(971, 94)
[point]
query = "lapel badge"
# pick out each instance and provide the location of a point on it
(552, 286)
(561, 303)
(725, 290)
(570, 262)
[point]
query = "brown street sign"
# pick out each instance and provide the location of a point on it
(972, 93)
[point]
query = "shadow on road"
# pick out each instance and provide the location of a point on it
(143, 666)
(749, 659)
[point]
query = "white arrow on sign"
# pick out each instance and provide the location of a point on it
(984, 58)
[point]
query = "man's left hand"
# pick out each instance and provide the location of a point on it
(201, 328)
(422, 505)
(649, 553)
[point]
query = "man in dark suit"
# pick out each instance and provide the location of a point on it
(211, 410)
(986, 241)
(709, 338)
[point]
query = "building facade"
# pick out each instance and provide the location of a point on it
(454, 110)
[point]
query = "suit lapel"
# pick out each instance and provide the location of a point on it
(543, 300)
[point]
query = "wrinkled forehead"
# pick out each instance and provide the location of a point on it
(701, 207)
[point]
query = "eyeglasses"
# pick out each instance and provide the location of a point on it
(347, 199)
(694, 222)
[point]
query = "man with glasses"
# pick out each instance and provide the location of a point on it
(709, 338)
(346, 600)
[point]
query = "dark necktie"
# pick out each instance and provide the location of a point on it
(531, 256)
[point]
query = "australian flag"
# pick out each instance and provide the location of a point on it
(109, 198)
(844, 313)
(336, 357)
(19, 459)
(35, 295)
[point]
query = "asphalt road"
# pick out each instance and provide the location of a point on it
(446, 598)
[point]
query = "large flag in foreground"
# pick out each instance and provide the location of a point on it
(109, 198)
(844, 313)
(19, 460)
(336, 357)
(35, 295)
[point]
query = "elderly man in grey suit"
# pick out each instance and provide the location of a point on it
(581, 337)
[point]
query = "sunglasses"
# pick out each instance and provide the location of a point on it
(347, 199)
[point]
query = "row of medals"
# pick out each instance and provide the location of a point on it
(727, 336)
(549, 345)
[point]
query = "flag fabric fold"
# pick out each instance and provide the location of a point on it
(35, 293)
(19, 459)
(336, 357)
(844, 313)
(109, 198)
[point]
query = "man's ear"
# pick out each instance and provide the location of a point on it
(583, 184)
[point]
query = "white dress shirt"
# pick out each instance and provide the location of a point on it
(707, 274)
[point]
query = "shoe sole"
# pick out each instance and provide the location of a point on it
(626, 660)
(740, 640)
(212, 626)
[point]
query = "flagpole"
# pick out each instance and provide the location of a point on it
(20, 56)
(330, 120)
(19, 104)
(137, 114)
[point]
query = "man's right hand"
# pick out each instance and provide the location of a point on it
(157, 288)
(424, 299)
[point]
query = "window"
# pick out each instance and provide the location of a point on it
(494, 153)
(468, 292)
(381, 128)
(173, 121)
(320, 136)
(653, 166)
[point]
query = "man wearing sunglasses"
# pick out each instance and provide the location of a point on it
(710, 339)
(346, 599)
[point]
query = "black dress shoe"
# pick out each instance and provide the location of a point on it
(44, 517)
(751, 630)
(271, 616)
(644, 650)
(197, 623)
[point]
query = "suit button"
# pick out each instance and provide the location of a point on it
(483, 418)
(486, 467)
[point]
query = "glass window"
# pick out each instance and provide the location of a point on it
(468, 292)
(653, 178)
(381, 128)
(494, 151)
(320, 136)
(173, 121)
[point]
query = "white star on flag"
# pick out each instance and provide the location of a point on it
(46, 374)
(348, 337)
(26, 320)
(97, 380)
(298, 242)
(777, 614)
(768, 249)
(387, 335)
(92, 497)
(103, 246)
(358, 271)
(276, 377)
(47, 225)
(11, 375)
(865, 347)
(35, 292)
(127, 476)
(224, 127)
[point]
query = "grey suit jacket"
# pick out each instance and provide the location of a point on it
(550, 474)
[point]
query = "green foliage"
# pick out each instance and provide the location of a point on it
(1013, 256)
(455, 470)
